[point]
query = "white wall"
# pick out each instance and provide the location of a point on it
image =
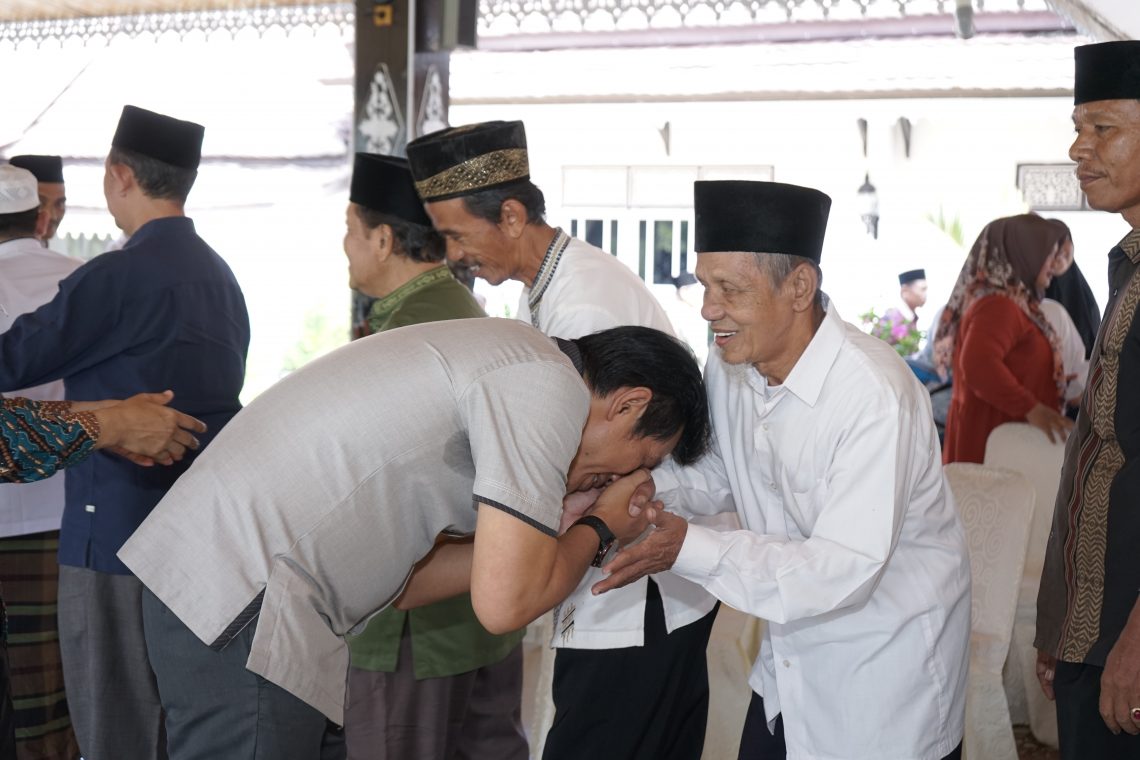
(964, 155)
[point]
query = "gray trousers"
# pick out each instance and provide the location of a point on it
(218, 710)
(471, 716)
(111, 692)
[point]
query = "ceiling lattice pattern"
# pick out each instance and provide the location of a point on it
(500, 17)
(149, 18)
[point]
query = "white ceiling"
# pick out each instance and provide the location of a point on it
(1102, 19)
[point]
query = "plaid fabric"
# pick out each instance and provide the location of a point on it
(30, 574)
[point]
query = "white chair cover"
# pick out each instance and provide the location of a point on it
(538, 680)
(733, 647)
(1023, 448)
(996, 507)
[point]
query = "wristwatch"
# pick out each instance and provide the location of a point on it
(607, 541)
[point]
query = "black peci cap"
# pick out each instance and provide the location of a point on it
(463, 160)
(384, 184)
(163, 138)
(46, 168)
(759, 217)
(1107, 71)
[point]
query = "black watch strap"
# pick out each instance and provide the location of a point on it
(606, 537)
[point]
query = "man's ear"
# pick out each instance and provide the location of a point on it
(383, 240)
(628, 400)
(513, 218)
(804, 282)
(123, 177)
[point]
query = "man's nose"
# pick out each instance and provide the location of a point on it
(454, 252)
(710, 310)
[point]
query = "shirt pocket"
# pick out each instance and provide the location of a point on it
(804, 505)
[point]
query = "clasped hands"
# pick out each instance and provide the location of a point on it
(650, 537)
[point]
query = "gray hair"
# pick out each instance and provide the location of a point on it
(777, 267)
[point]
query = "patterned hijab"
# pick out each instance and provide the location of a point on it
(1005, 260)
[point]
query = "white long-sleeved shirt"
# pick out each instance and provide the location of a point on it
(29, 277)
(851, 548)
(590, 291)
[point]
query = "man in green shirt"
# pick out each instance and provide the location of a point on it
(425, 683)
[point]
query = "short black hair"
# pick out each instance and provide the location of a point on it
(488, 204)
(19, 224)
(643, 357)
(157, 179)
(414, 241)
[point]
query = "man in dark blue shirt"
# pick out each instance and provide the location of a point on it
(165, 311)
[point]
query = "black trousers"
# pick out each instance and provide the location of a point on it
(1082, 732)
(635, 703)
(758, 743)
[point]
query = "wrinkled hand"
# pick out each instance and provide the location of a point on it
(621, 505)
(145, 430)
(1120, 684)
(1046, 669)
(655, 554)
(1055, 425)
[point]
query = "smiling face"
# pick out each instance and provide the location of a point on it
(750, 320)
(483, 247)
(1107, 152)
(609, 447)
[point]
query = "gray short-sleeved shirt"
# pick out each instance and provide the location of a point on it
(326, 489)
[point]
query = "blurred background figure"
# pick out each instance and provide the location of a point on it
(1070, 289)
(1005, 355)
(48, 171)
(912, 293)
(1076, 344)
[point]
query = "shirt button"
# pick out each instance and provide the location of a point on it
(772, 486)
(764, 426)
(787, 664)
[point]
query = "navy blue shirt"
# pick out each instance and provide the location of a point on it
(165, 311)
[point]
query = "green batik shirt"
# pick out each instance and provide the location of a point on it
(447, 639)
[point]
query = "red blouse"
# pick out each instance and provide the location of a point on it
(1003, 367)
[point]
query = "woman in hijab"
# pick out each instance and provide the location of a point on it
(1003, 351)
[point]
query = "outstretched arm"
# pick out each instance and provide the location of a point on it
(37, 438)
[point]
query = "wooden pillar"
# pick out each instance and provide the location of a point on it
(402, 69)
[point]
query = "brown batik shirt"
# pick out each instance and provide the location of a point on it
(1091, 577)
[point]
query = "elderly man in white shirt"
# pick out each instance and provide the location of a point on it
(849, 543)
(645, 646)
